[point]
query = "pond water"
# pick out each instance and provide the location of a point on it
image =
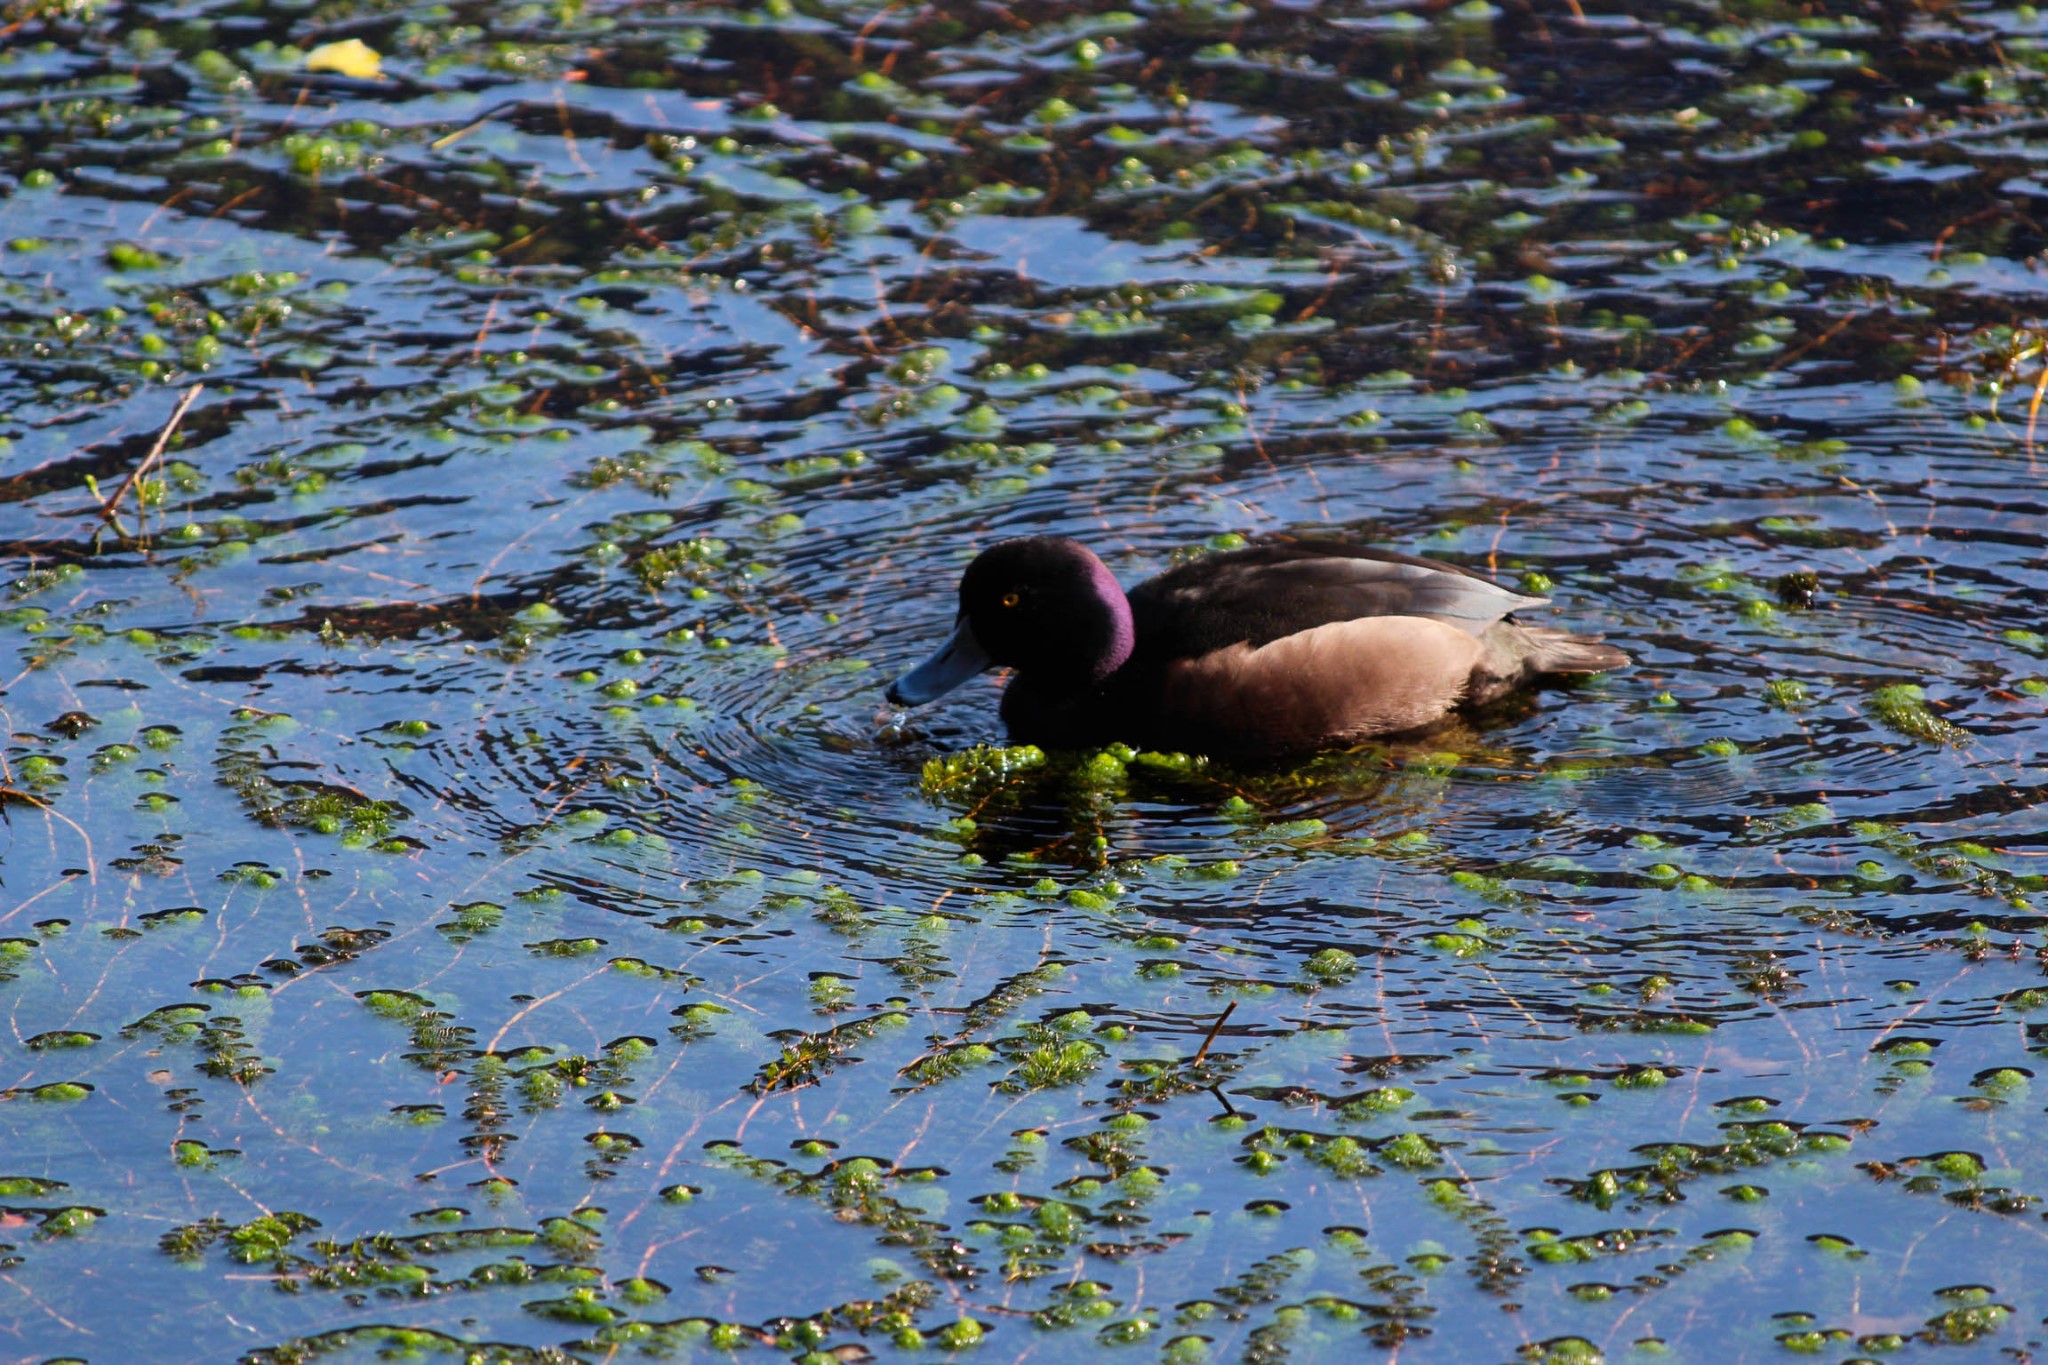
(462, 892)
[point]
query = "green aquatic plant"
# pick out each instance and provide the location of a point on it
(1903, 707)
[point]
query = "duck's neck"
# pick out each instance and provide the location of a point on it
(1115, 634)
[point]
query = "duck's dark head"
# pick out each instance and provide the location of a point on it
(1044, 606)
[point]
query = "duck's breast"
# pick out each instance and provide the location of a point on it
(1346, 680)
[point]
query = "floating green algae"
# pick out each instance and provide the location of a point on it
(1903, 707)
(976, 768)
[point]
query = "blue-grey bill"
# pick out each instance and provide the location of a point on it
(959, 659)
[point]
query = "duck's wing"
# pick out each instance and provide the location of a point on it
(1269, 592)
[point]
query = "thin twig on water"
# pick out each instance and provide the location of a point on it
(163, 439)
(1214, 1029)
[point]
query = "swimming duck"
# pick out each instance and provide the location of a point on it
(1274, 649)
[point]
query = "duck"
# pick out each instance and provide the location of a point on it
(1278, 648)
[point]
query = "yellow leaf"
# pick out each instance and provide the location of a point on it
(350, 57)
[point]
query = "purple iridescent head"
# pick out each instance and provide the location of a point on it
(1044, 606)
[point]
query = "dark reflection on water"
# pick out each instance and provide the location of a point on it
(458, 864)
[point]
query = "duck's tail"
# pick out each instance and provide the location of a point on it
(1516, 655)
(1560, 651)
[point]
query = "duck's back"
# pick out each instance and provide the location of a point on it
(1290, 645)
(1266, 593)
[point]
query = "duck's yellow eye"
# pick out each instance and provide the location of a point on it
(1011, 599)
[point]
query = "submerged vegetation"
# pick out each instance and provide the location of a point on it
(467, 474)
